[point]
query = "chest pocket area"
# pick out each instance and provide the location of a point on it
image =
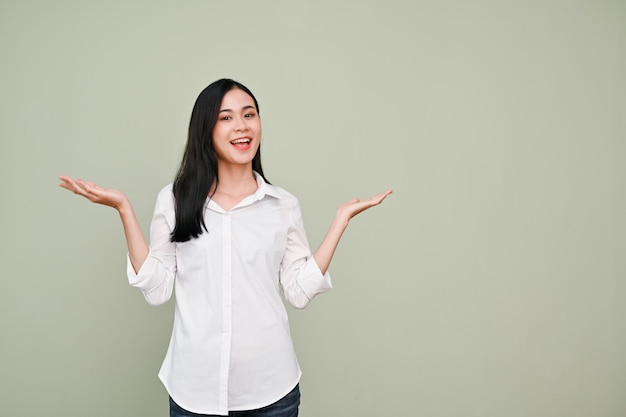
(262, 243)
(197, 256)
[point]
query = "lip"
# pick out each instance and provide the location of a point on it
(241, 138)
(245, 144)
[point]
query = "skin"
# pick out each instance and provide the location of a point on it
(238, 119)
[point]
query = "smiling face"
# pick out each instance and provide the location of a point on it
(237, 132)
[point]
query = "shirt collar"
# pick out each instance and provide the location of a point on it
(263, 188)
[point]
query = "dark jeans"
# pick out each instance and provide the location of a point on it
(285, 407)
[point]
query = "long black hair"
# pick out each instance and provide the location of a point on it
(198, 169)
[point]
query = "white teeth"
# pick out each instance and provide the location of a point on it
(242, 140)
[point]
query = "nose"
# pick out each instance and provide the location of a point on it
(241, 124)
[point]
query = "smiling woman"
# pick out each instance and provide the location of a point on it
(219, 116)
(228, 241)
(236, 137)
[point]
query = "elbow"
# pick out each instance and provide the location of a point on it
(155, 303)
(156, 298)
(299, 303)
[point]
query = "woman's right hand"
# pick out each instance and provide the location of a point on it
(92, 192)
(138, 248)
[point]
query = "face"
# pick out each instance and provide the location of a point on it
(237, 133)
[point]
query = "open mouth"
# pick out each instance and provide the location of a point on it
(241, 143)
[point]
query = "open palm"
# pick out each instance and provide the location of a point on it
(355, 206)
(94, 193)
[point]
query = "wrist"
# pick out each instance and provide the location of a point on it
(340, 222)
(124, 207)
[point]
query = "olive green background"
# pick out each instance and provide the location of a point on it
(491, 283)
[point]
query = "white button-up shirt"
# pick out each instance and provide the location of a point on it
(231, 347)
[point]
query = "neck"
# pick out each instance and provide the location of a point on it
(235, 184)
(235, 179)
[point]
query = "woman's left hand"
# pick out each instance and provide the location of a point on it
(324, 254)
(348, 210)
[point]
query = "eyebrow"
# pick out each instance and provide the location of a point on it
(243, 108)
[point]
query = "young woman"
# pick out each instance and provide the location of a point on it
(228, 242)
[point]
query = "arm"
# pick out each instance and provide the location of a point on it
(137, 246)
(324, 254)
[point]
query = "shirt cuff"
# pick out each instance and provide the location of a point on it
(312, 281)
(145, 278)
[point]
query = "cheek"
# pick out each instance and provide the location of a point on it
(219, 145)
(218, 132)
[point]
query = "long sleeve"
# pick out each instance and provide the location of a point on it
(156, 276)
(300, 275)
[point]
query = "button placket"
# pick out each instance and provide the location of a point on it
(226, 308)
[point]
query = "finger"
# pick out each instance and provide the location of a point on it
(82, 186)
(380, 197)
(65, 181)
(69, 184)
(385, 193)
(90, 184)
(88, 187)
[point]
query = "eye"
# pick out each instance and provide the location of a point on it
(250, 115)
(225, 118)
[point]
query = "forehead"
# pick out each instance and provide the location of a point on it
(236, 99)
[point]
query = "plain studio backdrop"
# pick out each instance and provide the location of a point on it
(491, 283)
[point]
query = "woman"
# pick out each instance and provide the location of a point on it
(228, 241)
